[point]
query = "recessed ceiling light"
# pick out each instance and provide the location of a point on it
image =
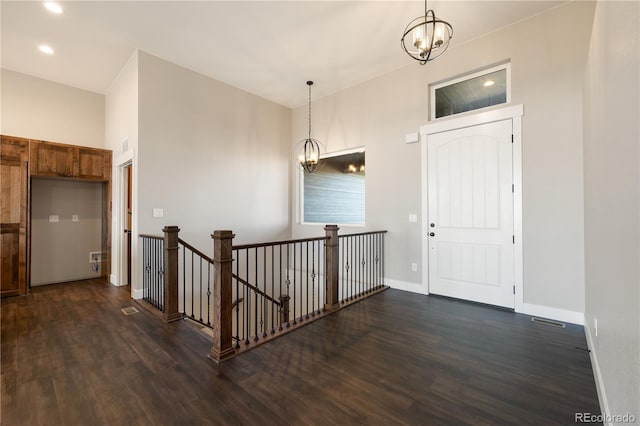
(489, 83)
(46, 49)
(53, 7)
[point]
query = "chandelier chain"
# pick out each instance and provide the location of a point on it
(309, 110)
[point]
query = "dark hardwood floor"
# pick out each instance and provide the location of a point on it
(71, 357)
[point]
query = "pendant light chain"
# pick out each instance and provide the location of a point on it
(309, 83)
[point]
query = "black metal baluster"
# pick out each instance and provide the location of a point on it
(353, 267)
(193, 291)
(273, 274)
(255, 318)
(200, 302)
(288, 282)
(237, 256)
(154, 273)
(280, 288)
(294, 322)
(264, 299)
(302, 271)
(208, 293)
(370, 262)
(306, 270)
(341, 281)
(184, 280)
(382, 260)
(248, 300)
(313, 278)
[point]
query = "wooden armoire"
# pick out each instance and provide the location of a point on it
(20, 160)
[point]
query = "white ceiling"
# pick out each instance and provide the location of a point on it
(269, 48)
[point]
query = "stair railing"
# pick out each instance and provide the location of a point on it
(255, 292)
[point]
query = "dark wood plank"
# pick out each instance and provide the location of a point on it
(70, 356)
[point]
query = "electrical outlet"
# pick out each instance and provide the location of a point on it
(95, 257)
(595, 326)
(414, 267)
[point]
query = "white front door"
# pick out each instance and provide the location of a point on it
(470, 213)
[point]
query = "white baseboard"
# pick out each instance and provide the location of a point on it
(406, 286)
(137, 294)
(553, 313)
(113, 280)
(597, 374)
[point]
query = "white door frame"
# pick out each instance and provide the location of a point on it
(515, 113)
(118, 266)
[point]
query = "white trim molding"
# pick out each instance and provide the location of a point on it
(137, 293)
(553, 313)
(597, 374)
(509, 112)
(407, 286)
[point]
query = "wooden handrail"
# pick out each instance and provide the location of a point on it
(256, 289)
(153, 237)
(279, 243)
(195, 250)
(362, 233)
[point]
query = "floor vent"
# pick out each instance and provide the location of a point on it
(548, 322)
(129, 311)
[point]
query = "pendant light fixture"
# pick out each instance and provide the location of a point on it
(310, 154)
(426, 37)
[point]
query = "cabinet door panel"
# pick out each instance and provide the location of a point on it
(93, 164)
(13, 227)
(53, 160)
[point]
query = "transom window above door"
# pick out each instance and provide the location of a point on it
(471, 92)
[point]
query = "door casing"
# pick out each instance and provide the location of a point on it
(515, 113)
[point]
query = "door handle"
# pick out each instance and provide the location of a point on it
(433, 225)
(126, 231)
(432, 234)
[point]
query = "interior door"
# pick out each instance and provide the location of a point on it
(470, 213)
(13, 227)
(129, 220)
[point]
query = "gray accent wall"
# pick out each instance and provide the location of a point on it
(60, 250)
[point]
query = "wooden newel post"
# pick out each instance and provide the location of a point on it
(332, 267)
(284, 308)
(222, 295)
(170, 312)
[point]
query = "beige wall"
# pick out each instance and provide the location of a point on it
(40, 109)
(60, 251)
(212, 156)
(547, 58)
(612, 211)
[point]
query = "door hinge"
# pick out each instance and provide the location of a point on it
(514, 239)
(513, 188)
(514, 289)
(511, 138)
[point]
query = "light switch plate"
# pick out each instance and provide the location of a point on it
(411, 138)
(54, 218)
(413, 217)
(75, 218)
(158, 212)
